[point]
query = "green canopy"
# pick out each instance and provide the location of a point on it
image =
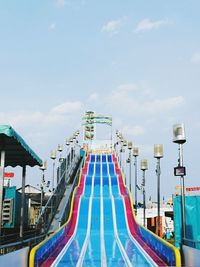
(18, 153)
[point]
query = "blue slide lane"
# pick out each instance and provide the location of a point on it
(135, 256)
(103, 170)
(93, 252)
(71, 256)
(113, 254)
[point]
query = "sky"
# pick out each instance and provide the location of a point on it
(138, 61)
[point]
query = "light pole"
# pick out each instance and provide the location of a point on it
(60, 149)
(144, 167)
(124, 164)
(67, 162)
(135, 154)
(121, 151)
(179, 138)
(158, 154)
(130, 145)
(53, 157)
(42, 168)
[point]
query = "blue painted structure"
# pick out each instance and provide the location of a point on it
(192, 219)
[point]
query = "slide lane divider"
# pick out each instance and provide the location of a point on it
(85, 244)
(103, 251)
(121, 248)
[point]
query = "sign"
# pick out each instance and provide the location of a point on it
(179, 171)
(196, 188)
(9, 175)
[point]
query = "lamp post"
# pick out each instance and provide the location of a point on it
(67, 162)
(144, 167)
(130, 145)
(124, 164)
(53, 157)
(179, 138)
(60, 149)
(158, 154)
(121, 151)
(135, 154)
(42, 168)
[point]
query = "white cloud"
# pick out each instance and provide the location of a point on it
(163, 105)
(56, 115)
(60, 3)
(67, 107)
(128, 87)
(133, 130)
(196, 57)
(133, 100)
(113, 26)
(94, 97)
(52, 26)
(148, 25)
(21, 118)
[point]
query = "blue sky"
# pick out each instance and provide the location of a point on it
(138, 61)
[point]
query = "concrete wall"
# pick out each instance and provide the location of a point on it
(17, 258)
(191, 256)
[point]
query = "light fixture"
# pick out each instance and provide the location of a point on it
(135, 154)
(180, 138)
(144, 167)
(158, 154)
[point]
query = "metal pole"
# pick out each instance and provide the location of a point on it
(182, 194)
(135, 164)
(52, 189)
(22, 202)
(1, 187)
(42, 190)
(53, 175)
(130, 180)
(144, 200)
(125, 166)
(158, 172)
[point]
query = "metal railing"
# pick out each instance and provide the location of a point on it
(191, 243)
(66, 210)
(10, 243)
(50, 209)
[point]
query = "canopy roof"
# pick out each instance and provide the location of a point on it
(17, 152)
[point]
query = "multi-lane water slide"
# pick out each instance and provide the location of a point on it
(101, 229)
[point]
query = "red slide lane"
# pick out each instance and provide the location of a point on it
(133, 226)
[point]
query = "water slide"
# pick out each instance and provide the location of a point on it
(101, 229)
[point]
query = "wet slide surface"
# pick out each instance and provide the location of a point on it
(102, 230)
(101, 236)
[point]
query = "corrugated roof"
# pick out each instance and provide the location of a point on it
(18, 153)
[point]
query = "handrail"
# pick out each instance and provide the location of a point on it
(20, 244)
(45, 218)
(65, 211)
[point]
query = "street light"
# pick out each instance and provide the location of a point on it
(135, 154)
(60, 149)
(124, 164)
(158, 154)
(53, 157)
(121, 151)
(179, 138)
(144, 167)
(67, 144)
(130, 145)
(42, 168)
